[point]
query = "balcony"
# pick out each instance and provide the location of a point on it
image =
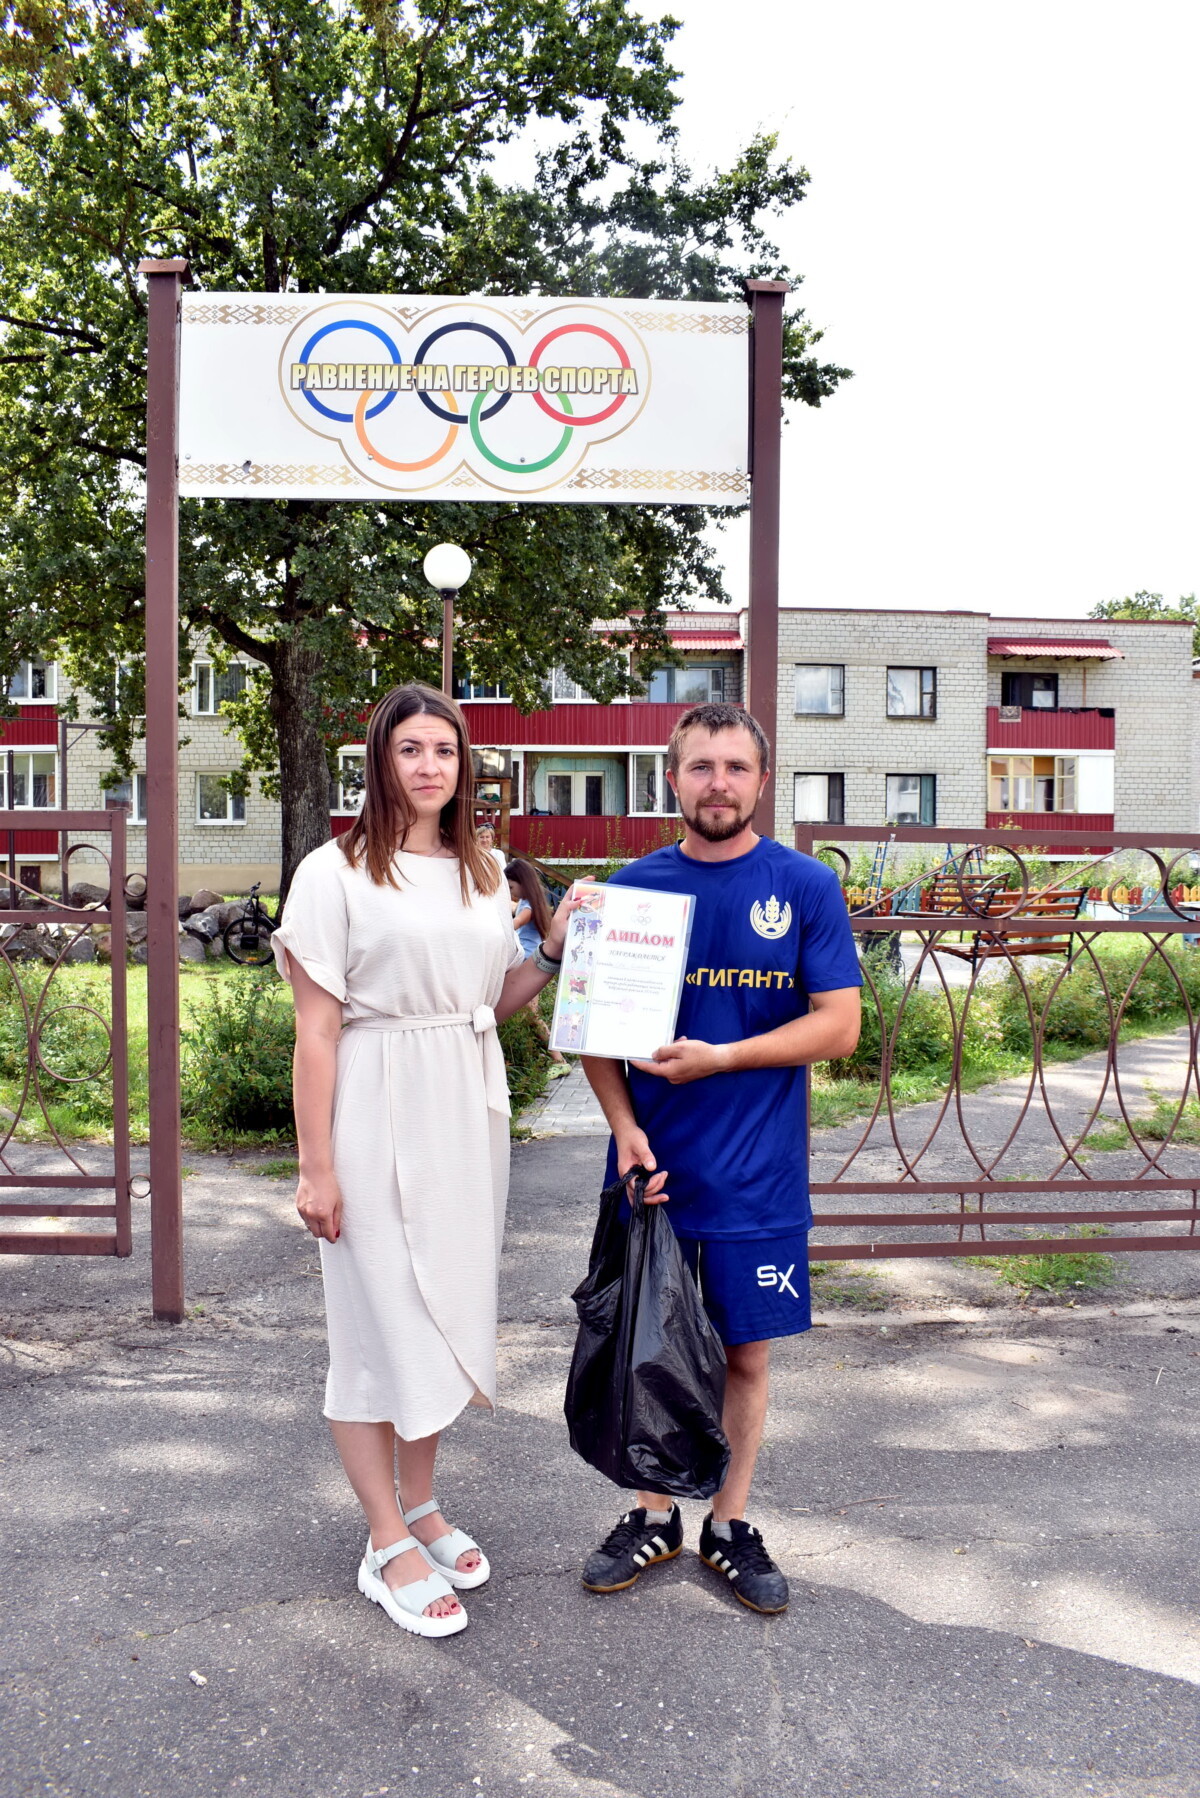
(640, 724)
(1061, 833)
(571, 838)
(1069, 727)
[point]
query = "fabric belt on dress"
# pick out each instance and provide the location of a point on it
(482, 1021)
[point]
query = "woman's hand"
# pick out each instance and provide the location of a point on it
(556, 937)
(319, 1202)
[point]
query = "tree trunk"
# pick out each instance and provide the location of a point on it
(303, 770)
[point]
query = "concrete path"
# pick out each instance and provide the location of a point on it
(987, 1511)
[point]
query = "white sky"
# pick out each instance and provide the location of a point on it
(1001, 240)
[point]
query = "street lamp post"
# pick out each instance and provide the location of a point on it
(448, 568)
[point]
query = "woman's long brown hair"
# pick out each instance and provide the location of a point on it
(387, 814)
(533, 892)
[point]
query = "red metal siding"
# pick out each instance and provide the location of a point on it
(1052, 731)
(589, 839)
(637, 725)
(36, 727)
(1041, 825)
(37, 842)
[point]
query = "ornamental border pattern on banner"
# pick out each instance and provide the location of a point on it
(703, 324)
(681, 480)
(670, 480)
(265, 474)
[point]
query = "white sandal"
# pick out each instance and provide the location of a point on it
(443, 1552)
(406, 1604)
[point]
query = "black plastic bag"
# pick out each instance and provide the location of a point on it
(647, 1378)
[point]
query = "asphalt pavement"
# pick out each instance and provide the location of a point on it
(987, 1510)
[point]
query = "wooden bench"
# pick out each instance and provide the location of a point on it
(974, 893)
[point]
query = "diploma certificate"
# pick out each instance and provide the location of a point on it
(622, 972)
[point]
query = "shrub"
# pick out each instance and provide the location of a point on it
(237, 1058)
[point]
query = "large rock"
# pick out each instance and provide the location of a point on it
(215, 950)
(203, 925)
(185, 905)
(22, 945)
(204, 898)
(82, 950)
(140, 954)
(136, 926)
(191, 948)
(227, 913)
(84, 893)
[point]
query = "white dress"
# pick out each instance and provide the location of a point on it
(420, 1132)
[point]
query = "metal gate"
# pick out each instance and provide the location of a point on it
(34, 1157)
(962, 930)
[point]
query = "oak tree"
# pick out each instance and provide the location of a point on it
(338, 146)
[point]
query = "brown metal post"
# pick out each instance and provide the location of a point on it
(766, 423)
(448, 599)
(63, 840)
(164, 280)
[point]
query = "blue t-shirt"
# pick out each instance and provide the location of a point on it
(769, 928)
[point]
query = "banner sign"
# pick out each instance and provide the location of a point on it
(303, 396)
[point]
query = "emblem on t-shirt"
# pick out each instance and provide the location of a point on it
(771, 920)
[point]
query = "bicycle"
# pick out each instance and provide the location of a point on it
(248, 938)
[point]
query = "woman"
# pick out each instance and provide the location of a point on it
(399, 945)
(531, 921)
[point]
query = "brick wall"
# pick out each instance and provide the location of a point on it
(1151, 690)
(865, 745)
(226, 857)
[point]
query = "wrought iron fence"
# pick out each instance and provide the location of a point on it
(39, 941)
(1028, 1068)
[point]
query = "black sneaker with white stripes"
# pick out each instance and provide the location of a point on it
(632, 1547)
(744, 1561)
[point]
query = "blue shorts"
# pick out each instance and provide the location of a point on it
(753, 1290)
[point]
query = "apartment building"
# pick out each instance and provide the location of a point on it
(954, 719)
(966, 719)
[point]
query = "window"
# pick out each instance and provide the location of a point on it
(698, 683)
(563, 687)
(34, 682)
(649, 786)
(911, 799)
(1034, 692)
(215, 804)
(820, 798)
(820, 689)
(575, 795)
(480, 689)
(210, 688)
(347, 795)
(35, 783)
(131, 793)
(1033, 783)
(912, 692)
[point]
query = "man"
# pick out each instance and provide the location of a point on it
(772, 985)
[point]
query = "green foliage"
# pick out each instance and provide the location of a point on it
(237, 1058)
(854, 1286)
(338, 146)
(1153, 606)
(285, 1168)
(1055, 1273)
(525, 1059)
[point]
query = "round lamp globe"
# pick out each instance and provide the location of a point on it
(447, 567)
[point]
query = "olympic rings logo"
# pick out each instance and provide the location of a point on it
(584, 376)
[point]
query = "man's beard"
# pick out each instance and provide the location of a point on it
(710, 829)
